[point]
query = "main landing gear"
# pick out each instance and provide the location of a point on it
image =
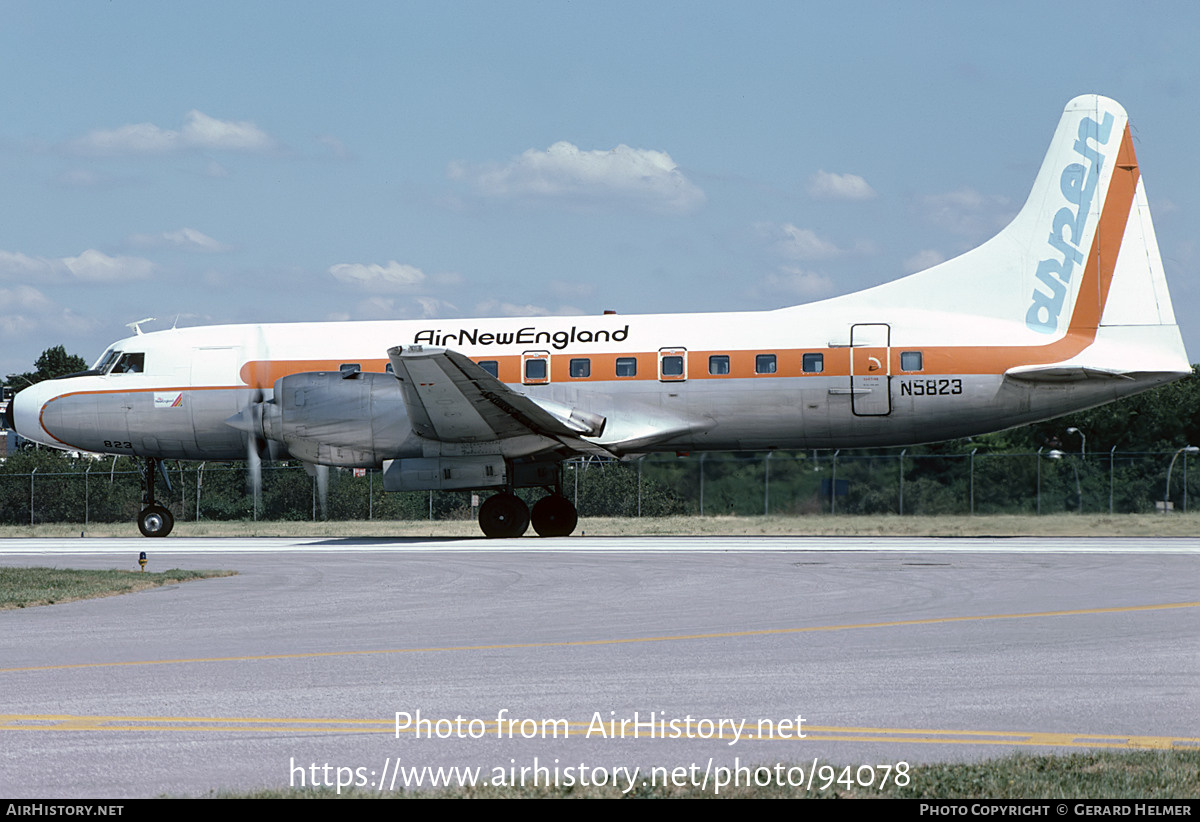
(154, 520)
(505, 515)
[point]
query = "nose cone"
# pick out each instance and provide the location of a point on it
(26, 412)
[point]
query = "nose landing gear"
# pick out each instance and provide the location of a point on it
(154, 520)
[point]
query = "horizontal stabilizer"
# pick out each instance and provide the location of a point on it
(1063, 373)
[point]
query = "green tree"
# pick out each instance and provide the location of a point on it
(54, 362)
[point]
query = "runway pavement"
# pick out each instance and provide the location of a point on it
(590, 653)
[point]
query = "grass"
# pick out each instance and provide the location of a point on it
(26, 587)
(1141, 775)
(998, 525)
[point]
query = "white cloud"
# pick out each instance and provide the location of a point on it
(408, 308)
(199, 132)
(14, 265)
(90, 266)
(795, 283)
(433, 307)
(825, 185)
(797, 243)
(335, 147)
(572, 290)
(382, 278)
(966, 212)
(185, 239)
(927, 258)
(24, 296)
(22, 307)
(16, 325)
(215, 170)
(95, 266)
(646, 178)
(499, 308)
(25, 310)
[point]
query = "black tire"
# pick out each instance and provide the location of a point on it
(503, 516)
(554, 516)
(155, 521)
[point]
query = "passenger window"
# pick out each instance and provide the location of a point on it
(764, 364)
(718, 364)
(580, 368)
(910, 361)
(535, 369)
(491, 366)
(626, 366)
(131, 364)
(387, 369)
(672, 366)
(813, 363)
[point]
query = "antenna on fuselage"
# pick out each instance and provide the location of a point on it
(137, 325)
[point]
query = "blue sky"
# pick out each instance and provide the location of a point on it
(207, 162)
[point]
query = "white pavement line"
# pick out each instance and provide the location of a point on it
(592, 545)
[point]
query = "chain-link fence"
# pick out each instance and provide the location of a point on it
(41, 486)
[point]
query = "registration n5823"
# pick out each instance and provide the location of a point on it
(930, 387)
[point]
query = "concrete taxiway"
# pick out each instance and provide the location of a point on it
(596, 653)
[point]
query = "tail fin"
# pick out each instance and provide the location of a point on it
(1099, 277)
(1090, 158)
(1079, 265)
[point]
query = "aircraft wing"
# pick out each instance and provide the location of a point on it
(451, 399)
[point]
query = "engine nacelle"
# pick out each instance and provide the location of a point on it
(353, 420)
(444, 473)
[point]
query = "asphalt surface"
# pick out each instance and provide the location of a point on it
(725, 650)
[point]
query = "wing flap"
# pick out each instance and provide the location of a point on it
(451, 399)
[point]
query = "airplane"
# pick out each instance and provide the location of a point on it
(1065, 309)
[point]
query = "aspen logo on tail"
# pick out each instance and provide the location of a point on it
(1078, 184)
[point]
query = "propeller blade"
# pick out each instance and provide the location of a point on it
(323, 489)
(254, 472)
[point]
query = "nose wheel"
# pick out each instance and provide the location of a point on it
(154, 520)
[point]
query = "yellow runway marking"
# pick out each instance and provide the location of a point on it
(630, 640)
(813, 733)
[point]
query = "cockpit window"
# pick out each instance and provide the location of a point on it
(105, 362)
(130, 364)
